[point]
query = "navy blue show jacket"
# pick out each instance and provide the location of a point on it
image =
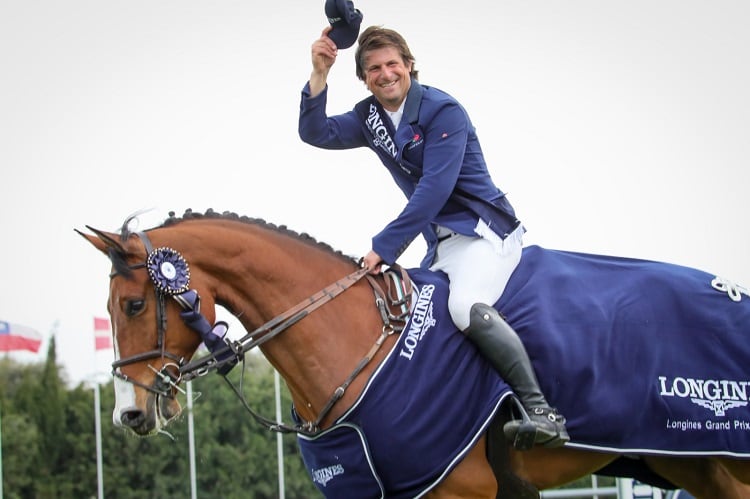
(434, 157)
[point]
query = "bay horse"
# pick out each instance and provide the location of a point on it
(311, 312)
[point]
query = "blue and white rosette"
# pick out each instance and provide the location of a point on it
(168, 270)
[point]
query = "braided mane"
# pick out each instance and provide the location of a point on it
(189, 214)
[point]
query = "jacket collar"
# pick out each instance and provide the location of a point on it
(413, 101)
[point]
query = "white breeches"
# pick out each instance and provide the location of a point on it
(478, 269)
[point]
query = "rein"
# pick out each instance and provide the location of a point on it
(170, 275)
(310, 428)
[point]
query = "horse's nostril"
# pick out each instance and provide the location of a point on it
(132, 418)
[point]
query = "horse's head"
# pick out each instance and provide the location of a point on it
(147, 359)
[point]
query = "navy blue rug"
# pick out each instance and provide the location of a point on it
(640, 356)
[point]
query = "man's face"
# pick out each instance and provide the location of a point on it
(387, 77)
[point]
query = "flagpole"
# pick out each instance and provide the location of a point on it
(100, 325)
(98, 425)
(1, 455)
(279, 441)
(191, 440)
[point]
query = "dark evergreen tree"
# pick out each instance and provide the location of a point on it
(49, 399)
(20, 434)
(77, 475)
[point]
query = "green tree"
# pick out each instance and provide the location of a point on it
(77, 472)
(20, 434)
(49, 445)
(227, 434)
(49, 399)
(20, 454)
(155, 467)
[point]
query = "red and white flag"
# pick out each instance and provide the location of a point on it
(102, 334)
(15, 337)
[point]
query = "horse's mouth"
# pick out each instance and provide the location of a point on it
(159, 412)
(167, 410)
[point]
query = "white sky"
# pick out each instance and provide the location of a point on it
(616, 127)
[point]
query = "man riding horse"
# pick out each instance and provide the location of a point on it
(426, 140)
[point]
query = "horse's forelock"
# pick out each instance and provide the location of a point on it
(119, 262)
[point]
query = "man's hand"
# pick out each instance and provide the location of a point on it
(372, 262)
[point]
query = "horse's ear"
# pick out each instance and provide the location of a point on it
(102, 240)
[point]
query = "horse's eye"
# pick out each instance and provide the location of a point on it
(133, 307)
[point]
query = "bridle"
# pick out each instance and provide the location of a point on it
(165, 380)
(170, 275)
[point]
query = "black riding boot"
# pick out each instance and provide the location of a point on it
(500, 344)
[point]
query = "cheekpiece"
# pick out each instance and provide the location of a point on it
(168, 270)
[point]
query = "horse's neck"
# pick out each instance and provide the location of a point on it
(319, 352)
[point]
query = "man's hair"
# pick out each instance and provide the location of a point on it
(377, 37)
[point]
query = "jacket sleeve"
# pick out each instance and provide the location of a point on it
(445, 136)
(318, 129)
